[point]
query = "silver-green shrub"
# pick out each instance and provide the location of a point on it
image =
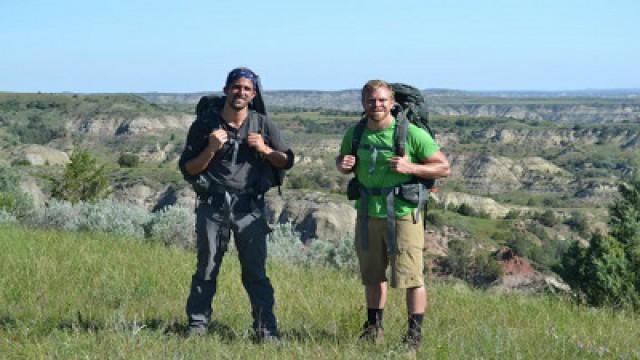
(114, 217)
(7, 217)
(340, 254)
(105, 216)
(173, 225)
(57, 214)
(285, 244)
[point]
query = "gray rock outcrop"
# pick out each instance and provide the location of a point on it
(313, 215)
(478, 203)
(40, 155)
(111, 126)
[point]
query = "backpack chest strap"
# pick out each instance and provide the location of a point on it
(374, 150)
(237, 140)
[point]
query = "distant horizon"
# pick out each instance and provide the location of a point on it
(629, 90)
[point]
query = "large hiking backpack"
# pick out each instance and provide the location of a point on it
(274, 177)
(410, 108)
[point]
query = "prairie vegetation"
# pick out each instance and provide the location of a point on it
(90, 295)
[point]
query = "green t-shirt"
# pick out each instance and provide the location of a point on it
(420, 145)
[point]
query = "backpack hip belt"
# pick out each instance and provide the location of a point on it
(413, 192)
(229, 196)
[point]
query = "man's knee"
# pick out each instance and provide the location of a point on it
(254, 273)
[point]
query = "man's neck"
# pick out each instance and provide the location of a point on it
(235, 118)
(379, 125)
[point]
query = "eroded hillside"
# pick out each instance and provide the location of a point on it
(505, 164)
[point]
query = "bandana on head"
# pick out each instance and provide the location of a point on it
(238, 73)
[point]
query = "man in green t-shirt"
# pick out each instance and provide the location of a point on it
(376, 166)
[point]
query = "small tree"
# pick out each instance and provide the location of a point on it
(624, 224)
(485, 269)
(83, 180)
(601, 272)
(624, 214)
(458, 262)
(607, 273)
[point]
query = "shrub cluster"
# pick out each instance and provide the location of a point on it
(172, 225)
(104, 216)
(467, 210)
(547, 218)
(478, 269)
(285, 244)
(544, 250)
(128, 160)
(579, 223)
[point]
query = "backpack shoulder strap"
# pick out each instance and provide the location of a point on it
(208, 122)
(255, 125)
(400, 135)
(357, 135)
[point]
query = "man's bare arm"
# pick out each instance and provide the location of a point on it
(434, 167)
(277, 158)
(199, 163)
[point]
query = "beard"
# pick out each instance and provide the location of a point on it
(378, 115)
(238, 104)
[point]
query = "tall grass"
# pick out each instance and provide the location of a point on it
(86, 295)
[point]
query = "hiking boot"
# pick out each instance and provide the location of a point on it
(196, 331)
(412, 341)
(372, 333)
(267, 336)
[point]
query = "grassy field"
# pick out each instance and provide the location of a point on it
(78, 295)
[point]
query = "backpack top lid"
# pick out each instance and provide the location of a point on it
(407, 94)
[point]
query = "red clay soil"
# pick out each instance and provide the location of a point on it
(513, 264)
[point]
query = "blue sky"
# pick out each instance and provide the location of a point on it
(185, 46)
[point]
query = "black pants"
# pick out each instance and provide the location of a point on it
(250, 233)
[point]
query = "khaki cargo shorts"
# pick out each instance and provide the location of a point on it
(407, 265)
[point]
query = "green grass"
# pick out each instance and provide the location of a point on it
(480, 229)
(95, 296)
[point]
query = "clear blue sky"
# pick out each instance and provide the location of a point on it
(185, 46)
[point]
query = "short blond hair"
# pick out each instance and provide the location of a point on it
(373, 85)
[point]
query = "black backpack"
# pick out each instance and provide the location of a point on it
(209, 103)
(410, 108)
